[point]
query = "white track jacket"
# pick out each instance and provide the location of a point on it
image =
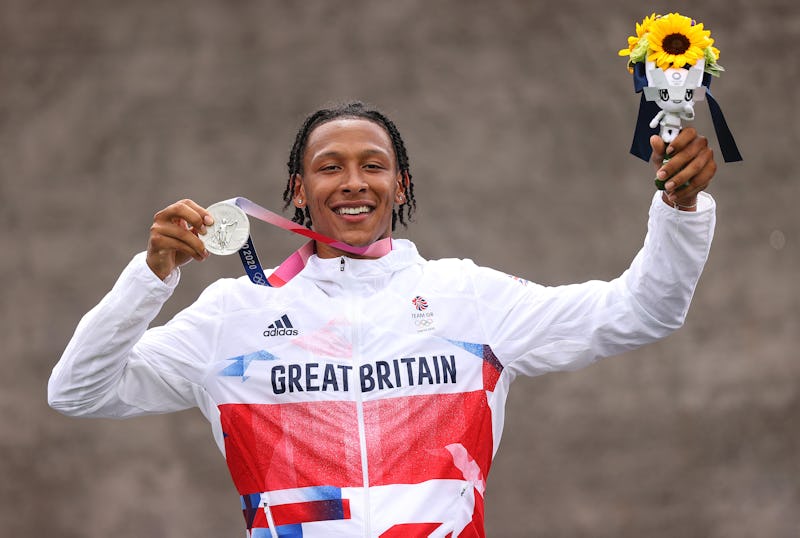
(365, 397)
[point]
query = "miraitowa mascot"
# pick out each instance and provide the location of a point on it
(672, 60)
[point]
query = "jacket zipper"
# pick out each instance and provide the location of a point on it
(355, 315)
(270, 521)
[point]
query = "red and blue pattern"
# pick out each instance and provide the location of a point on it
(283, 452)
(290, 509)
(419, 303)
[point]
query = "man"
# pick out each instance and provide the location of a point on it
(378, 408)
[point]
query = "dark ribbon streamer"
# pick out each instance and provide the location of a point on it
(640, 147)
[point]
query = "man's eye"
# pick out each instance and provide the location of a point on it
(664, 95)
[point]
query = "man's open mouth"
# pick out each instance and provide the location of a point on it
(353, 210)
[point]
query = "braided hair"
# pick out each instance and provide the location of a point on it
(353, 109)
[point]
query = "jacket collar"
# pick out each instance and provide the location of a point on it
(361, 275)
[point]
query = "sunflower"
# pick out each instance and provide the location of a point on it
(672, 41)
(637, 45)
(641, 31)
(676, 41)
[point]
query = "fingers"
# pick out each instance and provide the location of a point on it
(659, 149)
(173, 236)
(694, 177)
(690, 169)
(166, 253)
(189, 212)
(685, 137)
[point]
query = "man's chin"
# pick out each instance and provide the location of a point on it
(359, 239)
(350, 239)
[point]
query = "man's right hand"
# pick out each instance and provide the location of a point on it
(173, 237)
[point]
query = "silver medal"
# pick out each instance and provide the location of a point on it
(229, 231)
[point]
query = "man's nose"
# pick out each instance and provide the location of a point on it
(352, 181)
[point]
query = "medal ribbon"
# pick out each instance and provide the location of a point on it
(295, 263)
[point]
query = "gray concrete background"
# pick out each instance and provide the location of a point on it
(518, 117)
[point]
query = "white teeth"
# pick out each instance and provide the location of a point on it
(353, 210)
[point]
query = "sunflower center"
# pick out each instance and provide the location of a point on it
(675, 44)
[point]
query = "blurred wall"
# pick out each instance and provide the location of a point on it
(518, 117)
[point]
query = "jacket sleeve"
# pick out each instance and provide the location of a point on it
(535, 329)
(114, 367)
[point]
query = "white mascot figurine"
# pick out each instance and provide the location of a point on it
(674, 90)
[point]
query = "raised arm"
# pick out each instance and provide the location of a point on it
(539, 329)
(110, 366)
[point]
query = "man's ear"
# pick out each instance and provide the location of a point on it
(299, 195)
(402, 187)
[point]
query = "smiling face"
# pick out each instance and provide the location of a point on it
(350, 182)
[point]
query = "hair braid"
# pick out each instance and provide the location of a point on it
(354, 109)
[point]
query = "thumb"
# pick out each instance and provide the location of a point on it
(659, 148)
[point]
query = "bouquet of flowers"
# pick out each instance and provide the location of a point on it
(672, 59)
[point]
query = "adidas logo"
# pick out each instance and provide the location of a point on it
(281, 327)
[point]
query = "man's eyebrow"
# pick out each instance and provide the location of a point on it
(330, 153)
(374, 152)
(363, 153)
